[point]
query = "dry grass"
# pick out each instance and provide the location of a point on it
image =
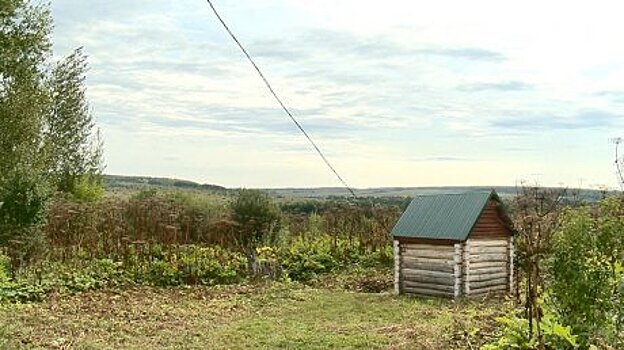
(242, 317)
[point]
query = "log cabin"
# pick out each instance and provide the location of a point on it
(454, 245)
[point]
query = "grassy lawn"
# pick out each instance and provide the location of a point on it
(265, 316)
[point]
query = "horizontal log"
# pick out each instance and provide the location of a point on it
(428, 267)
(489, 235)
(429, 279)
(494, 242)
(427, 292)
(488, 257)
(488, 270)
(429, 254)
(489, 288)
(433, 286)
(490, 283)
(487, 277)
(489, 249)
(483, 291)
(418, 272)
(488, 242)
(422, 260)
(489, 264)
(419, 246)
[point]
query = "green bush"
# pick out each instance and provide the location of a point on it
(87, 188)
(160, 273)
(304, 259)
(96, 274)
(22, 205)
(515, 334)
(161, 266)
(16, 291)
(587, 272)
(5, 267)
(19, 292)
(190, 265)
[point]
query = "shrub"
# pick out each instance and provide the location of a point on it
(22, 204)
(5, 267)
(159, 266)
(587, 272)
(516, 334)
(19, 292)
(304, 259)
(96, 274)
(190, 265)
(87, 188)
(258, 221)
(13, 291)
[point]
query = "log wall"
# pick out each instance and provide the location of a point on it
(429, 269)
(472, 268)
(487, 266)
(397, 266)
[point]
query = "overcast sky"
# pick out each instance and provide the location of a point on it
(397, 93)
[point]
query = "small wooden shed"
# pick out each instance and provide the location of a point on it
(454, 245)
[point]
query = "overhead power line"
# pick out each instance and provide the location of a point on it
(268, 85)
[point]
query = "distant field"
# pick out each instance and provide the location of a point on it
(116, 182)
(384, 191)
(273, 316)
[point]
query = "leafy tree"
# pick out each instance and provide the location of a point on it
(46, 131)
(588, 272)
(257, 218)
(75, 149)
(24, 48)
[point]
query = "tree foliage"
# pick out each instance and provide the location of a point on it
(588, 272)
(75, 150)
(46, 131)
(257, 218)
(256, 214)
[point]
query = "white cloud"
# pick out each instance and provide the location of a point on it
(376, 84)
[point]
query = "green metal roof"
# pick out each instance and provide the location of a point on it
(446, 216)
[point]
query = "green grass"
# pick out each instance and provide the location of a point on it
(265, 316)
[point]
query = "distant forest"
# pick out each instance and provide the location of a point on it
(113, 182)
